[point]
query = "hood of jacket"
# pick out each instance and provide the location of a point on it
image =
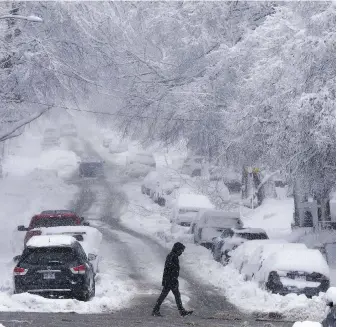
(178, 247)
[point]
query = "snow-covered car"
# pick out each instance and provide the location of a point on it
(297, 271)
(89, 237)
(118, 147)
(187, 206)
(159, 185)
(144, 158)
(68, 130)
(54, 219)
(137, 170)
(106, 142)
(192, 166)
(253, 253)
(55, 265)
(150, 182)
(51, 138)
(231, 238)
(262, 252)
(91, 167)
(211, 223)
(242, 254)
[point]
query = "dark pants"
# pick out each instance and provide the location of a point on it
(166, 290)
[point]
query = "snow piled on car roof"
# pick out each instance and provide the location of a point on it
(194, 201)
(50, 240)
(306, 260)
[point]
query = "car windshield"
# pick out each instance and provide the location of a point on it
(53, 222)
(91, 165)
(182, 211)
(47, 256)
(217, 221)
(252, 236)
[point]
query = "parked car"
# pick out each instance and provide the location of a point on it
(118, 147)
(91, 167)
(211, 223)
(159, 185)
(51, 138)
(55, 265)
(302, 272)
(150, 182)
(192, 166)
(144, 158)
(187, 206)
(231, 238)
(89, 237)
(68, 130)
(50, 220)
(256, 253)
(106, 142)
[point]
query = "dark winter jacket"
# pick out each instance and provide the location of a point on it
(172, 268)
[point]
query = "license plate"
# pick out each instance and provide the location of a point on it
(49, 275)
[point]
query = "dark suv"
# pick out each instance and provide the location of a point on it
(55, 266)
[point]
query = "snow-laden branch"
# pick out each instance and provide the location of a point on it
(13, 131)
(31, 18)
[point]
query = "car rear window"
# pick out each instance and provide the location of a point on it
(48, 256)
(53, 222)
(253, 236)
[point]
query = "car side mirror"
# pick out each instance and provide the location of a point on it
(17, 258)
(22, 228)
(86, 223)
(92, 257)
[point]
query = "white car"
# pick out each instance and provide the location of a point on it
(187, 207)
(193, 166)
(288, 271)
(118, 147)
(89, 237)
(211, 223)
(262, 252)
(106, 142)
(51, 138)
(150, 182)
(68, 130)
(144, 158)
(231, 238)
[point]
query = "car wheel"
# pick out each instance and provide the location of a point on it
(17, 291)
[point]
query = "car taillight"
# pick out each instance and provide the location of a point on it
(18, 271)
(79, 270)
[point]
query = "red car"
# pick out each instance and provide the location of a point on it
(53, 218)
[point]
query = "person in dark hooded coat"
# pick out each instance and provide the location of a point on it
(170, 280)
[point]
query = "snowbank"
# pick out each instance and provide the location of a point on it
(274, 216)
(307, 324)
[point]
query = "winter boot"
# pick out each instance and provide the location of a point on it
(184, 312)
(156, 313)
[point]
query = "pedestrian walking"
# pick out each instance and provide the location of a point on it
(170, 280)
